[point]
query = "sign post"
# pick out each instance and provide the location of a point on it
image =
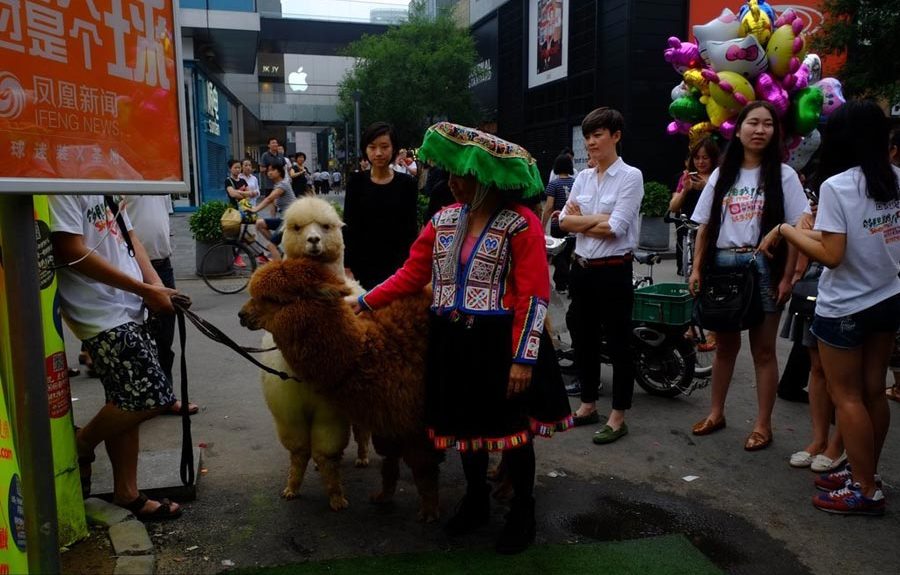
(91, 102)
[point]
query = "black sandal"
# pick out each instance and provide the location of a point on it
(162, 513)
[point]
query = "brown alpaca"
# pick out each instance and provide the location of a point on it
(371, 365)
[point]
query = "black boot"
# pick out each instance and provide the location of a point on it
(472, 512)
(518, 533)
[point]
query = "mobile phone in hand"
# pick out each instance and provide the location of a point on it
(812, 196)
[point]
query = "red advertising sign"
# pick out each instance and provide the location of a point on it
(90, 97)
(810, 11)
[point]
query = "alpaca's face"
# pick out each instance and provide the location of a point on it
(257, 312)
(312, 229)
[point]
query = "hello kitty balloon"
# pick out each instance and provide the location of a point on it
(742, 55)
(724, 27)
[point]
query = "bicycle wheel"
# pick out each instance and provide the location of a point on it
(667, 370)
(704, 343)
(227, 266)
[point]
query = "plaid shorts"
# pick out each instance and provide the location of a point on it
(126, 359)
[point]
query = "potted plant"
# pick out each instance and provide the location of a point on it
(206, 230)
(654, 230)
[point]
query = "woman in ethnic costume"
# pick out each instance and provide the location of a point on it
(492, 379)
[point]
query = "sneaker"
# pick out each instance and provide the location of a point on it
(574, 389)
(849, 500)
(239, 262)
(839, 479)
(262, 260)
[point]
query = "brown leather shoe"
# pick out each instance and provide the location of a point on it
(756, 441)
(707, 426)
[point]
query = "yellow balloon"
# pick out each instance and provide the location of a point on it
(717, 114)
(699, 131)
(732, 91)
(756, 22)
(786, 44)
(693, 78)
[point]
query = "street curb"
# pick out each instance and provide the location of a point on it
(129, 537)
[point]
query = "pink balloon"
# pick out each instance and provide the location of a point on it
(768, 88)
(678, 127)
(682, 55)
(727, 129)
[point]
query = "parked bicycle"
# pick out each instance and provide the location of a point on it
(706, 347)
(226, 266)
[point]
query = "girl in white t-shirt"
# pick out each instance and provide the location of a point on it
(751, 193)
(857, 236)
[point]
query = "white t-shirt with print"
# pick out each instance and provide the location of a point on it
(91, 307)
(742, 207)
(868, 272)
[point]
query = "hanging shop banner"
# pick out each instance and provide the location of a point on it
(90, 97)
(548, 41)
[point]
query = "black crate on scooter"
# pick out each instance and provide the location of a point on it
(664, 303)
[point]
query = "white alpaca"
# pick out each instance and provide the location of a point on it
(308, 425)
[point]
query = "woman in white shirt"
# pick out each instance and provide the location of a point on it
(857, 237)
(251, 179)
(749, 194)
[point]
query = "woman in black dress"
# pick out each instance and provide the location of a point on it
(379, 211)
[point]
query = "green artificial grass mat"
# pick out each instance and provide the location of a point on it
(666, 555)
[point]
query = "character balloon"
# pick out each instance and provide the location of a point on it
(699, 131)
(688, 109)
(678, 127)
(756, 19)
(806, 107)
(768, 88)
(682, 55)
(680, 91)
(724, 27)
(729, 89)
(804, 150)
(785, 47)
(814, 64)
(833, 96)
(693, 78)
(742, 55)
(717, 114)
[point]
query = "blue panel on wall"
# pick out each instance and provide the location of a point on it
(228, 5)
(213, 142)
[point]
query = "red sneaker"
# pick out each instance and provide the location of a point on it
(838, 479)
(262, 260)
(239, 262)
(850, 501)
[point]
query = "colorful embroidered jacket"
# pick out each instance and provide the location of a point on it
(506, 274)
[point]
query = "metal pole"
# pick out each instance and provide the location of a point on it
(29, 382)
(356, 96)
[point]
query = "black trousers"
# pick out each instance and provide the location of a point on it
(163, 326)
(602, 299)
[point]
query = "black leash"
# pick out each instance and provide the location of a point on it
(187, 443)
(218, 336)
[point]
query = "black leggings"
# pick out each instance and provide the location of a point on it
(519, 463)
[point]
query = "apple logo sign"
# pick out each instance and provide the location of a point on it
(297, 80)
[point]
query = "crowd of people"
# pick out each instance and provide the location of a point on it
(493, 381)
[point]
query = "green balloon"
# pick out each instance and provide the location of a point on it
(806, 107)
(688, 109)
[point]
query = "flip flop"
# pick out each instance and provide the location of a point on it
(193, 408)
(162, 513)
(893, 393)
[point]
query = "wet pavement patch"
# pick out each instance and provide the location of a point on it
(667, 555)
(636, 512)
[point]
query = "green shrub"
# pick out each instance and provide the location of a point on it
(339, 209)
(656, 199)
(204, 223)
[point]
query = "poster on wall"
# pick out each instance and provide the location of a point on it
(80, 85)
(548, 41)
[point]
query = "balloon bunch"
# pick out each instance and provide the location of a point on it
(755, 54)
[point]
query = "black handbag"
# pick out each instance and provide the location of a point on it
(729, 300)
(804, 293)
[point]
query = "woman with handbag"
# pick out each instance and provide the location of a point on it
(857, 238)
(749, 194)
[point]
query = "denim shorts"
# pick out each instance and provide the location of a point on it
(726, 259)
(274, 225)
(850, 331)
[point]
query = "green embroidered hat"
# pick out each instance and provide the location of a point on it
(493, 161)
